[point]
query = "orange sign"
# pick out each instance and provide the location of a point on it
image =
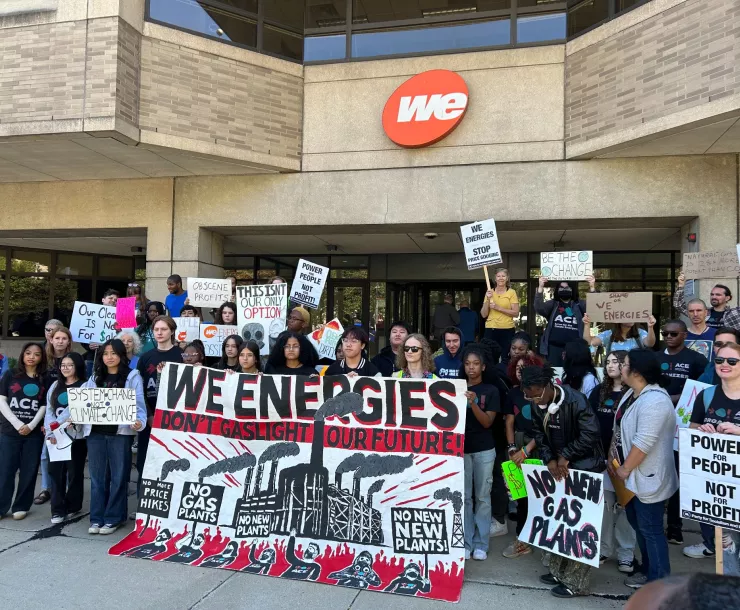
(426, 108)
(209, 332)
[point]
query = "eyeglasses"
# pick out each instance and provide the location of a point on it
(189, 356)
(66, 366)
(411, 348)
(671, 333)
(730, 361)
(349, 341)
(132, 285)
(294, 319)
(537, 400)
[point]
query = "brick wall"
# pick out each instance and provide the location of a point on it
(193, 94)
(677, 59)
(128, 71)
(100, 67)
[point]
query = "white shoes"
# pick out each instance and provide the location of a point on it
(480, 555)
(498, 529)
(467, 555)
(56, 519)
(695, 551)
(19, 515)
(109, 528)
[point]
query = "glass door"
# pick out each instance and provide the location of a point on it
(349, 301)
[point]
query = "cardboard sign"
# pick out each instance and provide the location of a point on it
(618, 307)
(564, 517)
(213, 337)
(514, 477)
(188, 329)
(480, 241)
(261, 313)
(308, 479)
(104, 406)
(126, 312)
(92, 323)
(325, 339)
(685, 406)
(208, 292)
(567, 266)
(709, 466)
(308, 284)
(710, 265)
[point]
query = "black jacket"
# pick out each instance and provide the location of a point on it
(385, 362)
(581, 430)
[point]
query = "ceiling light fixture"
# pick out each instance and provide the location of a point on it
(433, 12)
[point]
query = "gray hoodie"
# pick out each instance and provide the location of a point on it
(649, 425)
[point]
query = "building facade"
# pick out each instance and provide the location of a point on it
(140, 139)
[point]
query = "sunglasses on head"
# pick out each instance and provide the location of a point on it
(730, 361)
(411, 348)
(133, 284)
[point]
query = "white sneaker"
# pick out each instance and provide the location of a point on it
(109, 528)
(93, 529)
(21, 514)
(480, 555)
(498, 529)
(695, 551)
(57, 519)
(467, 555)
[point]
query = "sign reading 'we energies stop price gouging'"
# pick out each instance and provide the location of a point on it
(480, 241)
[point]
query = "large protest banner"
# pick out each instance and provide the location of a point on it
(711, 265)
(480, 241)
(308, 283)
(355, 482)
(566, 266)
(92, 323)
(616, 307)
(208, 292)
(565, 516)
(261, 312)
(709, 466)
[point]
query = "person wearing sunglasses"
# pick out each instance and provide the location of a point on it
(414, 359)
(567, 435)
(353, 363)
(724, 335)
(717, 410)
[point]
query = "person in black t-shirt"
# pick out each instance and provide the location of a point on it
(480, 452)
(22, 408)
(354, 341)
(230, 353)
(292, 354)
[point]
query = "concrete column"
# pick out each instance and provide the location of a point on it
(201, 257)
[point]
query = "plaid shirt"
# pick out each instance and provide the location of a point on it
(731, 317)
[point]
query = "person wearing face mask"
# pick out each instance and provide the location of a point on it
(385, 360)
(567, 434)
(564, 313)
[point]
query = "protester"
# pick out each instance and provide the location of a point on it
(480, 453)
(578, 368)
(230, 353)
(109, 446)
(644, 426)
(278, 279)
(49, 328)
(723, 336)
(449, 363)
(110, 299)
(134, 289)
(59, 346)
(500, 307)
(445, 315)
(564, 314)
(520, 439)
(68, 477)
(153, 310)
(717, 409)
(469, 324)
(697, 591)
(292, 354)
(188, 311)
(249, 358)
(385, 360)
(617, 535)
(22, 407)
(521, 345)
(354, 342)
(567, 434)
(226, 314)
(132, 342)
(624, 337)
(414, 359)
(700, 335)
(194, 353)
(177, 296)
(299, 320)
(719, 298)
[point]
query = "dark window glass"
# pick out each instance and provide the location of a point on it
(30, 262)
(66, 292)
(586, 14)
(320, 48)
(245, 5)
(74, 264)
(372, 11)
(326, 14)
(29, 306)
(2, 305)
(285, 12)
(283, 43)
(623, 5)
(539, 28)
(115, 267)
(466, 36)
(537, 3)
(102, 285)
(3, 259)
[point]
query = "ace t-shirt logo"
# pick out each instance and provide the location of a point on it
(565, 319)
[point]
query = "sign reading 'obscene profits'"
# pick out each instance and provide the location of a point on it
(567, 266)
(616, 307)
(707, 265)
(480, 241)
(92, 323)
(208, 292)
(102, 406)
(709, 465)
(308, 283)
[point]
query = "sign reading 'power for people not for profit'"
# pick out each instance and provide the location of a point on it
(481, 244)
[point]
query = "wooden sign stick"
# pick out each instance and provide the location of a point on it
(488, 280)
(719, 551)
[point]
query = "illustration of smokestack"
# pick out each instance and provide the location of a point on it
(273, 472)
(258, 479)
(317, 446)
(338, 480)
(341, 405)
(356, 488)
(248, 481)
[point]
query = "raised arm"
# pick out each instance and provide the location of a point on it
(679, 299)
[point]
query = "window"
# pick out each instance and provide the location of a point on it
(115, 267)
(371, 11)
(282, 42)
(27, 261)
(540, 28)
(285, 12)
(323, 48)
(74, 264)
(584, 14)
(326, 14)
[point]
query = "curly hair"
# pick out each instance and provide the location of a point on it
(537, 376)
(427, 362)
(528, 360)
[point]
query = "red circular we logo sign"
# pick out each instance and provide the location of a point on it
(426, 108)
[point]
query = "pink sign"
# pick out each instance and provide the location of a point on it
(126, 312)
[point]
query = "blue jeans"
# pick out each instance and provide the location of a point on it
(478, 478)
(45, 478)
(647, 521)
(18, 455)
(109, 462)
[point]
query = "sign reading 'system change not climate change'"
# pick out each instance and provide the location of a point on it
(308, 283)
(103, 406)
(481, 244)
(567, 266)
(615, 307)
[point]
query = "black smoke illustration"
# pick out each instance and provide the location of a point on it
(377, 465)
(278, 451)
(172, 466)
(448, 496)
(230, 465)
(374, 488)
(350, 464)
(341, 405)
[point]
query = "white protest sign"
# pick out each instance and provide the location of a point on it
(102, 406)
(188, 329)
(325, 339)
(565, 516)
(685, 406)
(567, 266)
(709, 466)
(261, 313)
(92, 323)
(308, 284)
(480, 241)
(213, 336)
(208, 292)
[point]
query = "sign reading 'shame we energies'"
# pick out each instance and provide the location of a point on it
(355, 482)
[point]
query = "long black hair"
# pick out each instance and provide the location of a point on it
(607, 386)
(219, 319)
(147, 323)
(80, 373)
(101, 371)
(253, 347)
(644, 362)
(577, 363)
(224, 360)
(307, 355)
(20, 367)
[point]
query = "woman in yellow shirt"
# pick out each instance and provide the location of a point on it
(499, 309)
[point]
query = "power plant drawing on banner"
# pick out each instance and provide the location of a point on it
(353, 482)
